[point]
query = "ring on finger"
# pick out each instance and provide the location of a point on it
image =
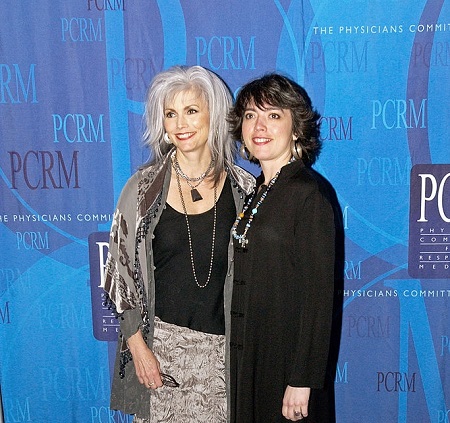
(151, 384)
(297, 413)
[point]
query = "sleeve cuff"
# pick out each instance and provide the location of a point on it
(130, 322)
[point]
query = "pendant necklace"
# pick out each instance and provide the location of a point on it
(189, 234)
(192, 182)
(242, 238)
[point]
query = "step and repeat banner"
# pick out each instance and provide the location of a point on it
(73, 76)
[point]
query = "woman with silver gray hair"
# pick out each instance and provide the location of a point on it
(167, 273)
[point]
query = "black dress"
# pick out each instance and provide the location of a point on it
(282, 304)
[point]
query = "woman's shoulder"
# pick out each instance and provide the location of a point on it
(140, 180)
(241, 171)
(242, 177)
(313, 181)
(304, 174)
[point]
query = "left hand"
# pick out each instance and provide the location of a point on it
(295, 403)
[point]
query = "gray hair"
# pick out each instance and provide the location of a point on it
(163, 89)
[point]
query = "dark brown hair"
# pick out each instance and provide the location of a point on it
(279, 91)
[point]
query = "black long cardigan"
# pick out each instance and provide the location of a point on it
(283, 299)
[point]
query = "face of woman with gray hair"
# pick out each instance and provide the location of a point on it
(186, 121)
(217, 97)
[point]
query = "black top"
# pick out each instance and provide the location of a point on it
(282, 300)
(178, 299)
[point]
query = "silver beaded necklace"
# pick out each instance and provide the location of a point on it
(189, 233)
(192, 182)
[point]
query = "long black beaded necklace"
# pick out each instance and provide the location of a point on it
(242, 238)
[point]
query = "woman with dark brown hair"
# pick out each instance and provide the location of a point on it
(284, 238)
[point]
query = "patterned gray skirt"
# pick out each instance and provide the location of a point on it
(196, 361)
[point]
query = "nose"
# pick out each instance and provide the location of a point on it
(260, 124)
(181, 121)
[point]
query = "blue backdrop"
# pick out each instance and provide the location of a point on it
(73, 76)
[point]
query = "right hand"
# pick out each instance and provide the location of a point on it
(145, 362)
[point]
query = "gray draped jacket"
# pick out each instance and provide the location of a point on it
(129, 277)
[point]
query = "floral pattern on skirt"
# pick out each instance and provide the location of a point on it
(197, 362)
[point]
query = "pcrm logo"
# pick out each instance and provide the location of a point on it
(105, 325)
(429, 222)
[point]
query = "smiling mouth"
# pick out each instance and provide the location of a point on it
(259, 141)
(185, 135)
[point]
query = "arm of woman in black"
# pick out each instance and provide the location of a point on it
(315, 255)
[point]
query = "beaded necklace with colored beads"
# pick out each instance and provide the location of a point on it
(242, 238)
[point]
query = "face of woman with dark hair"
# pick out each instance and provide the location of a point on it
(186, 121)
(267, 133)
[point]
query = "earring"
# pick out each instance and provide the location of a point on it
(166, 138)
(295, 150)
(244, 153)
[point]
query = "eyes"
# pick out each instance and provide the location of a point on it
(190, 111)
(271, 115)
